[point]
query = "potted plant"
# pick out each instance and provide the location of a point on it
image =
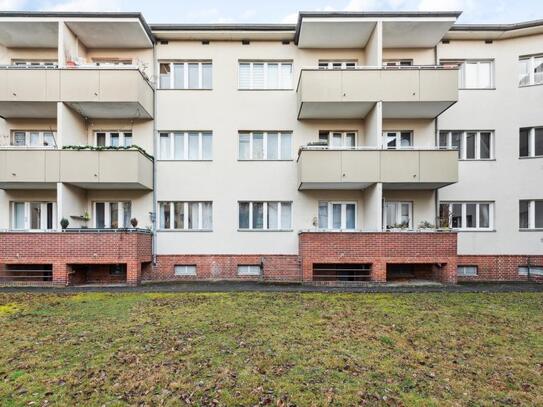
(134, 222)
(64, 223)
(426, 226)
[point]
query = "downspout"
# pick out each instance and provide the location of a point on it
(436, 143)
(153, 210)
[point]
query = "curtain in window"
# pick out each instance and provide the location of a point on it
(286, 215)
(19, 215)
(207, 146)
(273, 220)
(323, 215)
(207, 215)
(244, 215)
(244, 76)
(258, 215)
(286, 146)
(179, 76)
(193, 146)
(193, 76)
(244, 146)
(207, 78)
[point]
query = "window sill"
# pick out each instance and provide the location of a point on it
(476, 159)
(272, 90)
(244, 160)
(266, 230)
(529, 157)
(474, 230)
(172, 160)
(185, 230)
(531, 85)
(531, 230)
(477, 88)
(186, 89)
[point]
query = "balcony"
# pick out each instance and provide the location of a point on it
(43, 169)
(323, 168)
(407, 92)
(107, 93)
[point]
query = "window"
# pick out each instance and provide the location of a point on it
(337, 215)
(531, 142)
(265, 75)
(466, 271)
(397, 62)
(112, 139)
(397, 215)
(265, 145)
(112, 215)
(329, 64)
(531, 214)
(471, 145)
(467, 215)
(186, 215)
(186, 75)
(397, 139)
(338, 139)
(477, 74)
(186, 145)
(534, 271)
(265, 215)
(249, 270)
(185, 270)
(531, 70)
(33, 138)
(33, 215)
(48, 63)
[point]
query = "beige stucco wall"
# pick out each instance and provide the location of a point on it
(7, 55)
(420, 56)
(21, 195)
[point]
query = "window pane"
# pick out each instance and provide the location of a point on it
(485, 74)
(391, 140)
(351, 216)
(179, 146)
(323, 137)
(179, 215)
(164, 146)
(350, 140)
(179, 76)
(35, 215)
(194, 215)
(193, 76)
(286, 146)
(114, 139)
(444, 216)
(538, 214)
(258, 215)
(443, 136)
(390, 215)
(207, 79)
(100, 215)
(273, 146)
(164, 76)
(244, 145)
(273, 220)
(456, 142)
(337, 140)
(286, 76)
(19, 215)
(470, 145)
(19, 138)
(258, 76)
(207, 146)
(538, 70)
(524, 142)
(471, 210)
(538, 135)
(165, 215)
(50, 208)
(336, 216)
(48, 139)
(127, 214)
(484, 149)
(405, 139)
(193, 146)
(100, 139)
(323, 215)
(114, 214)
(273, 76)
(286, 215)
(127, 139)
(244, 215)
(405, 214)
(484, 215)
(524, 209)
(207, 215)
(34, 139)
(244, 76)
(470, 74)
(456, 218)
(258, 146)
(524, 72)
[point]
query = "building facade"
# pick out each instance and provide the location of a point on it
(346, 149)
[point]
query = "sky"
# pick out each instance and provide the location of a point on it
(284, 11)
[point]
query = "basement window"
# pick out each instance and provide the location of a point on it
(466, 271)
(342, 272)
(185, 270)
(534, 270)
(249, 270)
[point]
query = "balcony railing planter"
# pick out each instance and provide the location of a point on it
(87, 147)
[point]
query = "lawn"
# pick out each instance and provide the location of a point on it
(269, 348)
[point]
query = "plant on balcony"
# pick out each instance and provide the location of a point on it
(398, 227)
(108, 148)
(134, 222)
(426, 225)
(64, 223)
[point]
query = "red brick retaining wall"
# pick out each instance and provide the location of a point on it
(499, 267)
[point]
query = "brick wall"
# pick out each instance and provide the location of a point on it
(498, 267)
(64, 248)
(225, 267)
(380, 249)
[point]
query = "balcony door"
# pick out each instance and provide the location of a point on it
(397, 215)
(338, 139)
(112, 215)
(393, 140)
(33, 215)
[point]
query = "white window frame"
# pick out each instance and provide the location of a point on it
(477, 213)
(531, 214)
(281, 80)
(462, 73)
(343, 214)
(398, 215)
(343, 133)
(35, 63)
(534, 270)
(280, 136)
(398, 134)
(185, 64)
(107, 214)
(185, 133)
(122, 134)
(392, 63)
(265, 226)
(41, 135)
(530, 59)
(462, 153)
(27, 215)
(467, 271)
(249, 270)
(185, 215)
(531, 142)
(181, 270)
(331, 64)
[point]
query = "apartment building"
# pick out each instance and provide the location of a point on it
(349, 148)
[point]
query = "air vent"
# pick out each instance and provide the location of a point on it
(245, 42)
(163, 42)
(205, 42)
(488, 41)
(445, 41)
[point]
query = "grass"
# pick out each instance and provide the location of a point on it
(280, 349)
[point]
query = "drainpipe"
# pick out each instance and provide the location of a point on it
(153, 210)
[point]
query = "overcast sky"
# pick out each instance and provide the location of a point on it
(284, 11)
